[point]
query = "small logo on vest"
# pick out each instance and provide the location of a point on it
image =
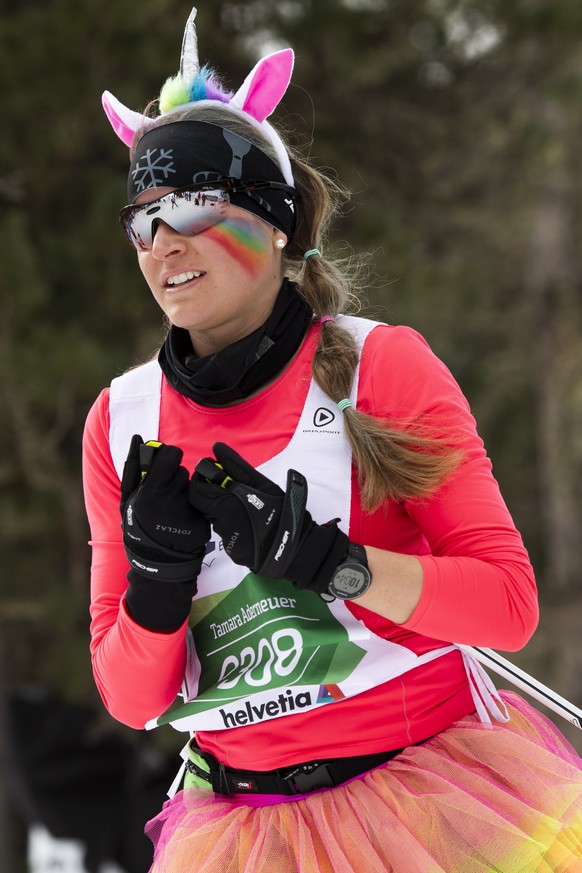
(210, 547)
(244, 784)
(323, 416)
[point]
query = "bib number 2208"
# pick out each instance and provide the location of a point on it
(281, 654)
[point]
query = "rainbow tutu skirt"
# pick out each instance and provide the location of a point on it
(476, 798)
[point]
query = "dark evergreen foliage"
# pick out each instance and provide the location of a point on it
(457, 126)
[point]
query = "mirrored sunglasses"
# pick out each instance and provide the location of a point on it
(187, 210)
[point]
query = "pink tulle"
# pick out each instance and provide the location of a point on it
(475, 799)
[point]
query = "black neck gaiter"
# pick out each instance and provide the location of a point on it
(243, 367)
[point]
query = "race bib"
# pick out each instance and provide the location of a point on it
(265, 650)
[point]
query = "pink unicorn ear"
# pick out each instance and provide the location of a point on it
(124, 121)
(265, 85)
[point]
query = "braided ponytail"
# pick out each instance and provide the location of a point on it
(394, 462)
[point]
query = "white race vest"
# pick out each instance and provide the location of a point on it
(259, 649)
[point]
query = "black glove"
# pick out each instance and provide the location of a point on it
(263, 527)
(163, 535)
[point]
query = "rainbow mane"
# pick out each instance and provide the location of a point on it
(205, 85)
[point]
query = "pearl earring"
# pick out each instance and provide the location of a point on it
(280, 243)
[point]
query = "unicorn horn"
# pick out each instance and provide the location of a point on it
(189, 63)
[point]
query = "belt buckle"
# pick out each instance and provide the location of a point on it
(309, 777)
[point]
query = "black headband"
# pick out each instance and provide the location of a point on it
(185, 153)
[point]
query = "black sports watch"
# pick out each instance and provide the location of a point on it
(352, 577)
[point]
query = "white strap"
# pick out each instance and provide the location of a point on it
(525, 682)
(484, 693)
(134, 407)
(180, 774)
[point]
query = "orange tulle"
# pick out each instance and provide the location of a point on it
(475, 799)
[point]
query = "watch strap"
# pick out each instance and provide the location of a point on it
(356, 552)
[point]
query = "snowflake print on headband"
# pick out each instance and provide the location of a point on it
(154, 171)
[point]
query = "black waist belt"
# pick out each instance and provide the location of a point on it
(299, 779)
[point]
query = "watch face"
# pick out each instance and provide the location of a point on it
(350, 580)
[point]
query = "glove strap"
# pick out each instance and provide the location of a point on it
(290, 527)
(177, 571)
(178, 567)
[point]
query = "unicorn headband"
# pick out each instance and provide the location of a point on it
(255, 100)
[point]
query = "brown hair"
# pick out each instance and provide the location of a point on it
(394, 460)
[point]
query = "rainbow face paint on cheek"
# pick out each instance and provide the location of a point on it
(244, 240)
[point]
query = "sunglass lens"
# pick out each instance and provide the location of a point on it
(187, 212)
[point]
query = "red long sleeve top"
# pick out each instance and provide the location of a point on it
(478, 588)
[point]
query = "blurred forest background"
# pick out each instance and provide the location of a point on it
(458, 127)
